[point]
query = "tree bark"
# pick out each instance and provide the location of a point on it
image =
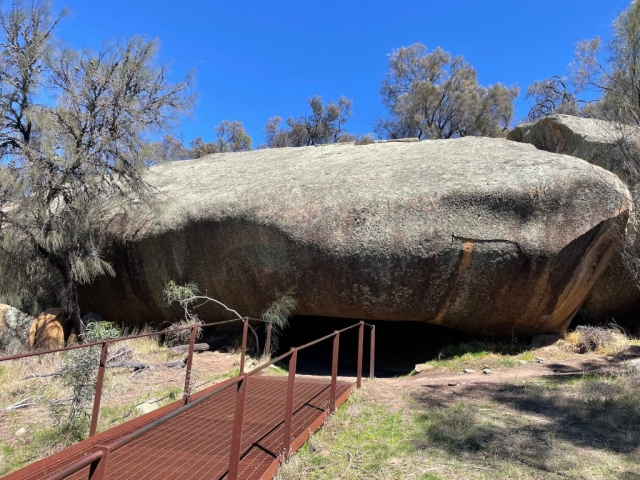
(71, 304)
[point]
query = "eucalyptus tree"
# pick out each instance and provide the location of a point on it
(435, 95)
(231, 136)
(611, 72)
(325, 124)
(552, 95)
(75, 137)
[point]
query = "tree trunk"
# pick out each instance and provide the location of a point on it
(74, 307)
(70, 304)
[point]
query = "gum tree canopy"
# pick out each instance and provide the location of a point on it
(434, 95)
(75, 137)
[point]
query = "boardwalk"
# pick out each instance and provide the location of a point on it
(195, 444)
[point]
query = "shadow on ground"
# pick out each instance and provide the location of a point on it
(539, 422)
(399, 345)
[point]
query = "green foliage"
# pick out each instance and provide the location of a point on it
(325, 124)
(75, 138)
(550, 96)
(278, 314)
(188, 296)
(612, 69)
(365, 140)
(185, 296)
(231, 137)
(78, 374)
(434, 95)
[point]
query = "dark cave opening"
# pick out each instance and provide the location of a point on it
(399, 345)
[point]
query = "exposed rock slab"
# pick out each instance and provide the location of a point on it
(14, 329)
(48, 330)
(483, 235)
(598, 142)
(595, 141)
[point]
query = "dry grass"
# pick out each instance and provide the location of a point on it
(604, 341)
(578, 426)
(125, 392)
(492, 354)
(581, 427)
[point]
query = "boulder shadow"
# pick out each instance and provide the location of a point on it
(593, 411)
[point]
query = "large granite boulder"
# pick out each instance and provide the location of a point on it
(616, 294)
(14, 329)
(596, 141)
(482, 235)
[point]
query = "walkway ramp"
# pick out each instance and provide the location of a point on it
(241, 428)
(195, 444)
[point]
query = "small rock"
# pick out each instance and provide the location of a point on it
(468, 370)
(21, 432)
(487, 371)
(421, 367)
(146, 408)
(539, 359)
(452, 384)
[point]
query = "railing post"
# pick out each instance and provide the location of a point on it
(372, 355)
(98, 469)
(238, 421)
(267, 344)
(360, 348)
(187, 377)
(245, 330)
(288, 418)
(334, 372)
(98, 393)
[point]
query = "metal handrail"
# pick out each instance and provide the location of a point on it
(123, 339)
(77, 465)
(98, 459)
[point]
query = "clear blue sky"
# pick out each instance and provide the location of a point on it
(257, 59)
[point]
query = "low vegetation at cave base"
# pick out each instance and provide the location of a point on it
(568, 415)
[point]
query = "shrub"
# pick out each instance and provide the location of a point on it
(589, 338)
(78, 374)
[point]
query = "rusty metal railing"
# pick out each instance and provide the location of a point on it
(98, 459)
(104, 352)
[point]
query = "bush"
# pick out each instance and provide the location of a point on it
(78, 374)
(588, 338)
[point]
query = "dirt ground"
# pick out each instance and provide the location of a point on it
(568, 415)
(474, 385)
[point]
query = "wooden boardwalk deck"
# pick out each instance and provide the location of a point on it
(196, 443)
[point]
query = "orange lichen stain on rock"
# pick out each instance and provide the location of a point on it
(465, 261)
(47, 331)
(589, 270)
(467, 253)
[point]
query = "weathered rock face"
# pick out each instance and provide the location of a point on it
(615, 293)
(586, 138)
(14, 329)
(482, 235)
(48, 330)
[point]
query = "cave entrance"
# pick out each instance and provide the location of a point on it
(400, 345)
